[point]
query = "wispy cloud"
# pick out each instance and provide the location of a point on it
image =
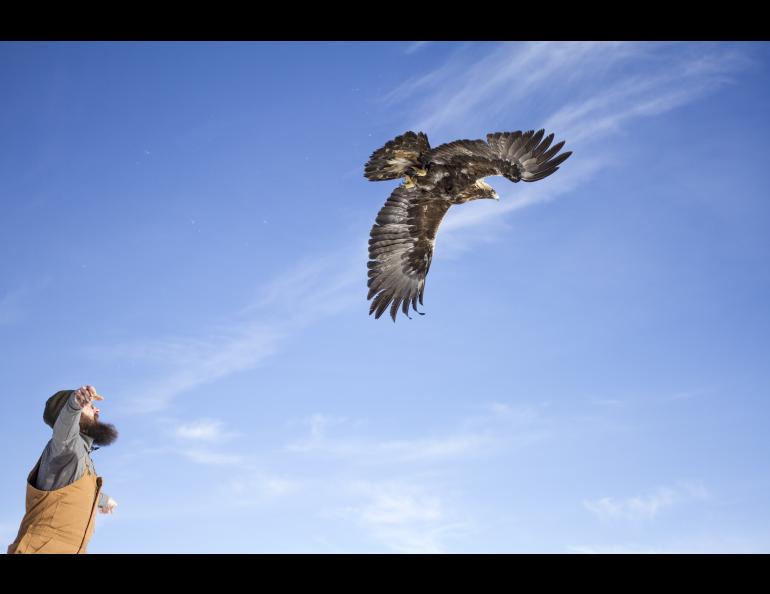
(484, 433)
(415, 46)
(613, 402)
(424, 83)
(468, 93)
(187, 365)
(403, 516)
(689, 394)
(646, 507)
(399, 499)
(198, 453)
(315, 286)
(698, 544)
(666, 86)
(256, 488)
(372, 451)
(210, 458)
(396, 504)
(404, 450)
(628, 549)
(313, 290)
(472, 90)
(207, 430)
(202, 441)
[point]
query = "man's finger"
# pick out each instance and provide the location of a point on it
(92, 394)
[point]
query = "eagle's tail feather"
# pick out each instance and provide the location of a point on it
(399, 157)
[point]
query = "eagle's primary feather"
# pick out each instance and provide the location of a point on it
(404, 234)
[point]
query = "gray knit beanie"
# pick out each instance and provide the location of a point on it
(54, 405)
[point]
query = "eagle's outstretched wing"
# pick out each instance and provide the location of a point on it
(401, 248)
(517, 156)
(400, 156)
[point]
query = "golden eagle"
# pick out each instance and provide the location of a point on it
(402, 238)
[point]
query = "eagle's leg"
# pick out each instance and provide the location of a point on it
(409, 182)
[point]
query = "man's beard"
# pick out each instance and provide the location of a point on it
(103, 434)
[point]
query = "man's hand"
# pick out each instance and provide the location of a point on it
(86, 394)
(110, 507)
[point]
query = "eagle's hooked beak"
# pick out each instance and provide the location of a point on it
(489, 191)
(421, 172)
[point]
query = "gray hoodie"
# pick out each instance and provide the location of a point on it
(68, 453)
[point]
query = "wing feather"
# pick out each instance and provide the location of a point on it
(401, 249)
(398, 157)
(519, 156)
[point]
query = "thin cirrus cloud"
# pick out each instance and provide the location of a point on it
(394, 502)
(585, 82)
(699, 543)
(256, 488)
(404, 450)
(206, 430)
(470, 91)
(666, 86)
(415, 46)
(321, 442)
(200, 441)
(631, 549)
(185, 366)
(314, 289)
(403, 516)
(497, 427)
(646, 507)
(210, 458)
(492, 89)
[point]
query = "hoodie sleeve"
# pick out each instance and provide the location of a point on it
(67, 425)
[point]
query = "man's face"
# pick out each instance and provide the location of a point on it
(103, 433)
(90, 411)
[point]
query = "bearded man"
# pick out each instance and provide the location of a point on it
(63, 489)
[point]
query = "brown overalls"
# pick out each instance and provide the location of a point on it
(60, 521)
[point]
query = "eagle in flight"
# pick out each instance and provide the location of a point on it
(402, 238)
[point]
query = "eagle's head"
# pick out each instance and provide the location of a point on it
(485, 191)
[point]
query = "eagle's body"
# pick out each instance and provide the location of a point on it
(402, 239)
(443, 183)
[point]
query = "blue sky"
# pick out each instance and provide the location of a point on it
(184, 227)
